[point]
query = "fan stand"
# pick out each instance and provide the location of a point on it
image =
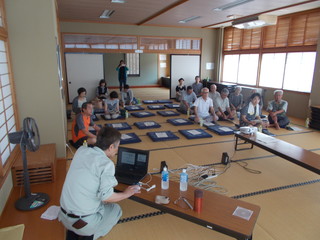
(30, 201)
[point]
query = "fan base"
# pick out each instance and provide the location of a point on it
(35, 201)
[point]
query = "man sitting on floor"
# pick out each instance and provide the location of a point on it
(277, 109)
(187, 101)
(223, 110)
(203, 107)
(127, 97)
(214, 94)
(88, 201)
(80, 126)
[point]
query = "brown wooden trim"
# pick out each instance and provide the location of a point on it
(275, 9)
(274, 50)
(94, 21)
(10, 161)
(126, 35)
(144, 86)
(166, 9)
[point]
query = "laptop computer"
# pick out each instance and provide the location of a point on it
(132, 165)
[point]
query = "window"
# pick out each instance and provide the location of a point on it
(240, 68)
(133, 63)
(7, 118)
(8, 121)
(289, 71)
(230, 68)
(248, 67)
(272, 70)
(280, 56)
(299, 71)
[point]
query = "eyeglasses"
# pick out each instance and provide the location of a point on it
(205, 92)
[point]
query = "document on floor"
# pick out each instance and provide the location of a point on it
(51, 213)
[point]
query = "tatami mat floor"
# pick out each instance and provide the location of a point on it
(276, 217)
(287, 194)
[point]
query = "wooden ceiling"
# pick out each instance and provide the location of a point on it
(170, 12)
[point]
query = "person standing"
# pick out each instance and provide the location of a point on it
(122, 73)
(88, 201)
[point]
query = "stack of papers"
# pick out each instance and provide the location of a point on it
(51, 213)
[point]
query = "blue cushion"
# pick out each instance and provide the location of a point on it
(147, 124)
(171, 106)
(93, 131)
(221, 130)
(129, 138)
(98, 111)
(195, 133)
(168, 113)
(142, 114)
(119, 126)
(134, 108)
(162, 136)
(179, 121)
(165, 101)
(150, 101)
(156, 107)
(94, 117)
(119, 117)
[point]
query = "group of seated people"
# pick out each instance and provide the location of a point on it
(109, 101)
(212, 106)
(84, 110)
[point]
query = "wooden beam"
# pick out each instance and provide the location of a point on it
(166, 9)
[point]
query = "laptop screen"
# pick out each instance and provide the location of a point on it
(132, 160)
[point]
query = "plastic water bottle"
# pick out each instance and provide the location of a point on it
(184, 180)
(188, 112)
(307, 123)
(85, 144)
(201, 121)
(127, 114)
(165, 179)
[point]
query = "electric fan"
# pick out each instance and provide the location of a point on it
(29, 139)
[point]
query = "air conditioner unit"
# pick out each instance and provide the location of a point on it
(255, 21)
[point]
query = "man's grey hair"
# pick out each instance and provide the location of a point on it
(278, 91)
(225, 91)
(205, 88)
(238, 87)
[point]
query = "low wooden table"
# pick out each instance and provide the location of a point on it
(288, 151)
(217, 210)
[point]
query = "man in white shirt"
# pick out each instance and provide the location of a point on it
(203, 107)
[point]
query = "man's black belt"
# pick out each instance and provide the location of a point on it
(73, 215)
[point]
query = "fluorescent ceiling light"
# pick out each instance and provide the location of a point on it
(189, 19)
(118, 1)
(255, 21)
(231, 5)
(107, 13)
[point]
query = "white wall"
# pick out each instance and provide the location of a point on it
(32, 30)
